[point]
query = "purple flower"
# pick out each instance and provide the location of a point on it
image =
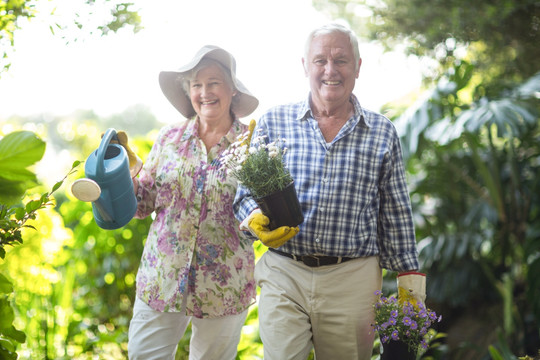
(407, 321)
(395, 335)
(414, 325)
(394, 313)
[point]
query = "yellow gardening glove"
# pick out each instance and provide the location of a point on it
(257, 224)
(135, 163)
(411, 288)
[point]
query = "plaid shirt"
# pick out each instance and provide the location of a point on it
(352, 190)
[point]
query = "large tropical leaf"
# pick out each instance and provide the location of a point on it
(530, 88)
(508, 115)
(18, 150)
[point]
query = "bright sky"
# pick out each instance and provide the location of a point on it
(109, 74)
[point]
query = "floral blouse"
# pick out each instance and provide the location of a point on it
(194, 251)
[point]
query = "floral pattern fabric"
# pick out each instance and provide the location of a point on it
(194, 252)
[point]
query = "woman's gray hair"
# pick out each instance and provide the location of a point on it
(331, 29)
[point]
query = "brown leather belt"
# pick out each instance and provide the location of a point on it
(312, 260)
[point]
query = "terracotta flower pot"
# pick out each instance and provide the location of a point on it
(397, 350)
(282, 208)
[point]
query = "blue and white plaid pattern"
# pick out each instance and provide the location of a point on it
(352, 191)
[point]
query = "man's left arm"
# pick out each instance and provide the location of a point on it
(397, 235)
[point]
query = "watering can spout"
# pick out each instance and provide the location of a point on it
(108, 184)
(88, 190)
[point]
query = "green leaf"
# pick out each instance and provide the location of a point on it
(33, 205)
(19, 150)
(5, 286)
(15, 334)
(11, 191)
(6, 315)
(495, 355)
(5, 352)
(19, 213)
(18, 174)
(57, 186)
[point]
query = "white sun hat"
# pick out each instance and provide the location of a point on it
(245, 103)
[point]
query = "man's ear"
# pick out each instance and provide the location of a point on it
(359, 65)
(304, 65)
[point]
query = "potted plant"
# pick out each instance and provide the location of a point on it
(259, 166)
(404, 326)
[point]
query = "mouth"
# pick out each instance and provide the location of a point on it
(212, 102)
(331, 83)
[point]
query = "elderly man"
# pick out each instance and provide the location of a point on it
(318, 282)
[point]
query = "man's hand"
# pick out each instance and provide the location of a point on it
(257, 224)
(411, 287)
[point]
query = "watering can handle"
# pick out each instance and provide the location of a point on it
(105, 140)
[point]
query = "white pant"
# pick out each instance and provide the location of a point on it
(154, 335)
(328, 308)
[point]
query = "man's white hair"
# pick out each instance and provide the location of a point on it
(331, 29)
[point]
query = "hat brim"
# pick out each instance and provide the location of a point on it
(245, 102)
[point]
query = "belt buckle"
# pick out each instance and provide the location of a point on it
(311, 261)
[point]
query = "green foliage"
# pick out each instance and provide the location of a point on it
(9, 336)
(13, 219)
(475, 195)
(18, 150)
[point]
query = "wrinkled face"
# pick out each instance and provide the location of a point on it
(210, 94)
(331, 68)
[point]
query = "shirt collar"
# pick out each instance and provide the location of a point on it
(192, 130)
(359, 115)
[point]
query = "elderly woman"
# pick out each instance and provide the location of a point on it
(196, 267)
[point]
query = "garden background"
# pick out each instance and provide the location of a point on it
(470, 135)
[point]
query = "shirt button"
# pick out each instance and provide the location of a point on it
(317, 240)
(321, 209)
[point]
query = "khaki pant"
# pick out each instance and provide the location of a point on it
(154, 335)
(328, 308)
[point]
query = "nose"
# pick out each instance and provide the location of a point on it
(205, 90)
(330, 67)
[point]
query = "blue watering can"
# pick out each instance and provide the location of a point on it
(108, 184)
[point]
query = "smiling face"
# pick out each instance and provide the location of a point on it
(211, 94)
(331, 69)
